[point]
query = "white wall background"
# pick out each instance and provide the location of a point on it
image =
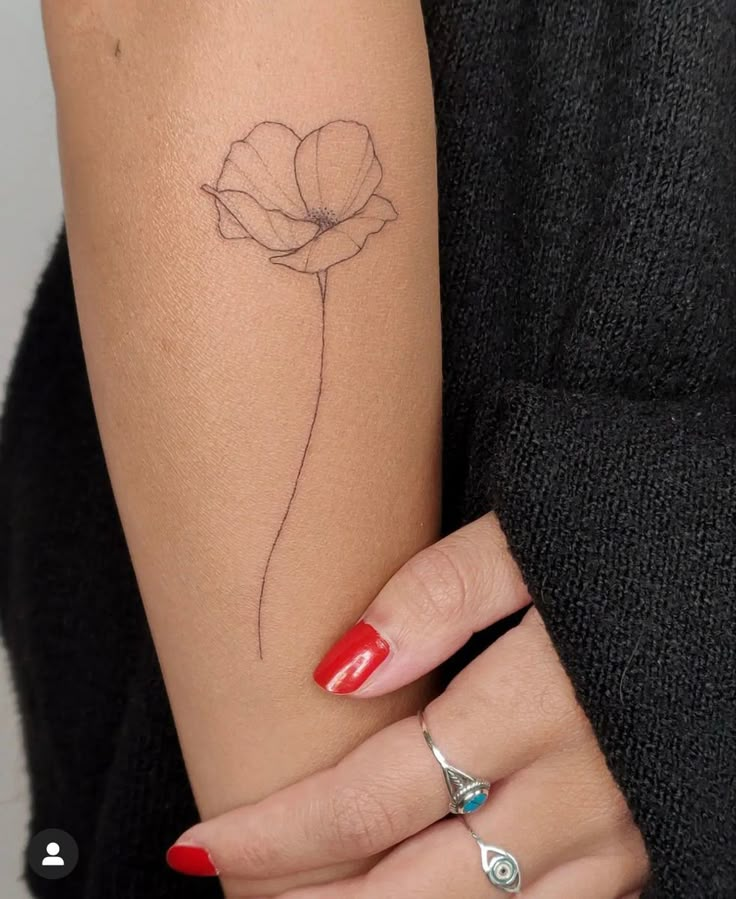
(30, 213)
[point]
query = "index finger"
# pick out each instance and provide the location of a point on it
(346, 812)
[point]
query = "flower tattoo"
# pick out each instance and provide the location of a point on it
(312, 202)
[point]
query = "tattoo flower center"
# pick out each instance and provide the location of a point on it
(324, 218)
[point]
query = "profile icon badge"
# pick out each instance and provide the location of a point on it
(52, 854)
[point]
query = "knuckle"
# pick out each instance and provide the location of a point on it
(254, 855)
(595, 799)
(609, 817)
(561, 718)
(439, 587)
(361, 822)
(549, 693)
(619, 810)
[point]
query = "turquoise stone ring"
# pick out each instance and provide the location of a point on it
(467, 793)
(474, 803)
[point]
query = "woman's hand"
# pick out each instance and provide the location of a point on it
(510, 717)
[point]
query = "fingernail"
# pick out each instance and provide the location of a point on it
(193, 860)
(352, 660)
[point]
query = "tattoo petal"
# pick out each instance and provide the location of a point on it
(337, 170)
(262, 165)
(229, 227)
(269, 227)
(346, 239)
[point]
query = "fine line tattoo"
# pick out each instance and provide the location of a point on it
(312, 201)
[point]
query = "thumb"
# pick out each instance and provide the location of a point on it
(427, 611)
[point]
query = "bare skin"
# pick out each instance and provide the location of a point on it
(203, 358)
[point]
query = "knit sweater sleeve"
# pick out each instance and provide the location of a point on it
(622, 518)
(588, 197)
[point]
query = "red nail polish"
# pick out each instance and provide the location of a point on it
(352, 660)
(193, 860)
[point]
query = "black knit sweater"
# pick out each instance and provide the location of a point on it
(587, 160)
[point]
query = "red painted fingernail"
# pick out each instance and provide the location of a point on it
(352, 660)
(193, 860)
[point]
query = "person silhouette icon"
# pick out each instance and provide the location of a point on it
(52, 853)
(53, 857)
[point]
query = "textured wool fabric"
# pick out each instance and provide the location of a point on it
(587, 161)
(588, 215)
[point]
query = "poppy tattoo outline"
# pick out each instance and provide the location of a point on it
(312, 201)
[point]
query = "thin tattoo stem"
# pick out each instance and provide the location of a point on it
(322, 280)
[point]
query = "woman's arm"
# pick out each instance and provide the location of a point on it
(248, 537)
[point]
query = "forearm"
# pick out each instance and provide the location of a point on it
(205, 357)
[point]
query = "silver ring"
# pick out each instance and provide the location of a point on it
(467, 793)
(499, 866)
